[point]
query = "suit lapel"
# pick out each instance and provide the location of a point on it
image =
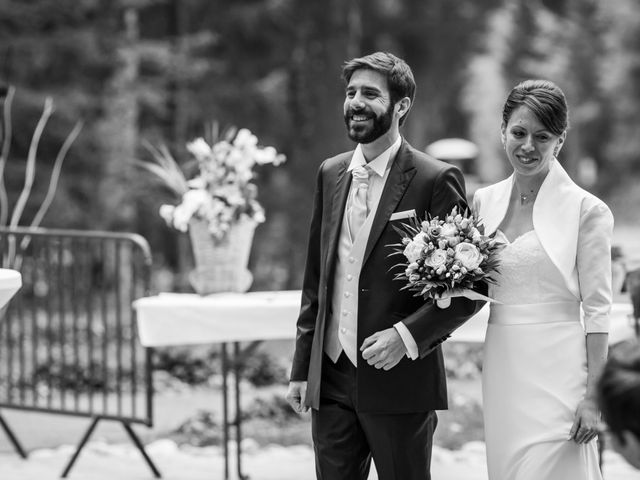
(400, 175)
(338, 203)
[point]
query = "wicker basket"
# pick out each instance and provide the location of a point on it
(221, 265)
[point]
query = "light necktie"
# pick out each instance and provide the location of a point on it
(359, 211)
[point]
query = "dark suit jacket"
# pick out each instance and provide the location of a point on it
(416, 181)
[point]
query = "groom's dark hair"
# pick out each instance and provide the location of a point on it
(399, 75)
(619, 391)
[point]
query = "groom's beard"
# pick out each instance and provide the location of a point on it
(367, 134)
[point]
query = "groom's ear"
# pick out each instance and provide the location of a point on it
(403, 106)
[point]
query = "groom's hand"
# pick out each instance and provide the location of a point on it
(383, 349)
(295, 396)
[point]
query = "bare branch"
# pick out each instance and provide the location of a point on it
(4, 153)
(55, 174)
(31, 163)
(53, 186)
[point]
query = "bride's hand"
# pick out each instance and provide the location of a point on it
(585, 422)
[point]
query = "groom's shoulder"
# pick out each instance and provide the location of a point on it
(423, 161)
(338, 159)
(331, 163)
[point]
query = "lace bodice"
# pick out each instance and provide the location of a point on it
(527, 274)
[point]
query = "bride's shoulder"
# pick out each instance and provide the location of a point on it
(593, 211)
(593, 207)
(492, 189)
(592, 204)
(482, 192)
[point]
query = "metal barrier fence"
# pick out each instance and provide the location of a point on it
(68, 340)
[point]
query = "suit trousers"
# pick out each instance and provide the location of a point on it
(345, 440)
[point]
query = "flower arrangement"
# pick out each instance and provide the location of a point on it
(443, 256)
(222, 192)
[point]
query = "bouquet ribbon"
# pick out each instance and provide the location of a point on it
(443, 301)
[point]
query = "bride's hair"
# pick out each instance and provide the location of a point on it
(545, 99)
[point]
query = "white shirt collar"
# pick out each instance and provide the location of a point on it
(378, 164)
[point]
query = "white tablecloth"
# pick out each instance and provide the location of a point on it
(10, 283)
(189, 319)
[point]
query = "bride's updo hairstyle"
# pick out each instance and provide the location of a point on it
(544, 99)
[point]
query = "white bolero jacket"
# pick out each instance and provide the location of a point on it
(575, 229)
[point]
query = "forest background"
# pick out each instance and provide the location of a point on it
(157, 71)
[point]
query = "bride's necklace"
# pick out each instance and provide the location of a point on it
(528, 197)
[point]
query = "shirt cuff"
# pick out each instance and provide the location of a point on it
(409, 343)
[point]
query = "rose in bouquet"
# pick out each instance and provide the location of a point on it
(222, 191)
(446, 257)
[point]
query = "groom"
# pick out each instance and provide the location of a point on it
(367, 359)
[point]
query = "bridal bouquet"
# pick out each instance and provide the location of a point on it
(446, 257)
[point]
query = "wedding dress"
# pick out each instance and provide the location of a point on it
(534, 371)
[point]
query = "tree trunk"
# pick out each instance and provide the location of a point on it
(328, 34)
(118, 132)
(178, 108)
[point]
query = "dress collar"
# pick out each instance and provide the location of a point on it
(556, 216)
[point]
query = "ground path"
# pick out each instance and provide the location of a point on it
(102, 461)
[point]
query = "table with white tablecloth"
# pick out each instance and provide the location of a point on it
(190, 319)
(176, 319)
(10, 283)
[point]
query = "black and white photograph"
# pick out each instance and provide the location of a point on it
(320, 240)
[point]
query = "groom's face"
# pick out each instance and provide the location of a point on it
(368, 109)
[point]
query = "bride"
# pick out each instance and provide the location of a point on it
(541, 363)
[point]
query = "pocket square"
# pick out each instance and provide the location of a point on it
(402, 215)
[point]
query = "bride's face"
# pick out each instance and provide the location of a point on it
(529, 145)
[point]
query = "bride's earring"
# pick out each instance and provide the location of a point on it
(558, 146)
